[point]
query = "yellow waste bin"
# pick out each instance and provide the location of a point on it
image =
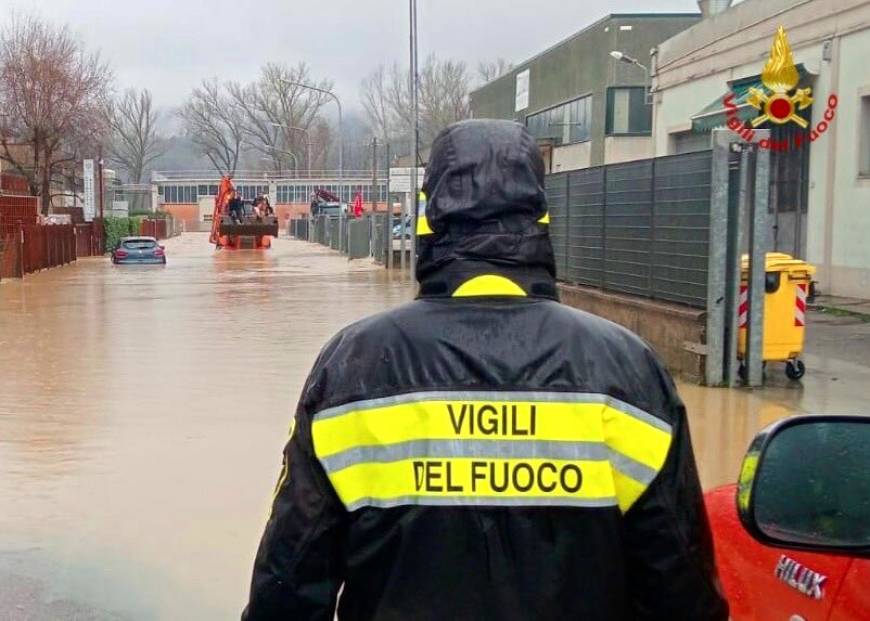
(787, 285)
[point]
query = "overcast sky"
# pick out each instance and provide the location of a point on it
(170, 45)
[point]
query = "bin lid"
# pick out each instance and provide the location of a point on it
(781, 262)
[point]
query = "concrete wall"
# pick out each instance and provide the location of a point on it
(693, 69)
(842, 239)
(572, 157)
(581, 65)
(672, 330)
(627, 148)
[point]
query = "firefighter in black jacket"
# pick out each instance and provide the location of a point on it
(486, 453)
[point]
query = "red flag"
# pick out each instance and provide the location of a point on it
(357, 205)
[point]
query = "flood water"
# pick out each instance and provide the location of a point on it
(143, 412)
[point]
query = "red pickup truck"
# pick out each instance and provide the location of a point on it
(793, 536)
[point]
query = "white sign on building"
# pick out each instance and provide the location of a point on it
(523, 79)
(90, 210)
(400, 179)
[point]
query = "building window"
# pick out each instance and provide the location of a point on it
(564, 124)
(864, 163)
(628, 112)
(522, 90)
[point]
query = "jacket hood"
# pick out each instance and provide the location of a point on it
(485, 205)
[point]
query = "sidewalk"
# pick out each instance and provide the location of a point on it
(847, 306)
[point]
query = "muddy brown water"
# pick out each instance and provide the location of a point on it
(143, 412)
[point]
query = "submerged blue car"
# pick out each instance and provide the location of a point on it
(139, 250)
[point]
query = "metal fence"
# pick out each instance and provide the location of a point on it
(357, 238)
(640, 228)
(298, 228)
(380, 235)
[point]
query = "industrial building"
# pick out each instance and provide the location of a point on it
(585, 107)
(190, 196)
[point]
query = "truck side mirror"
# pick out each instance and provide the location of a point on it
(805, 484)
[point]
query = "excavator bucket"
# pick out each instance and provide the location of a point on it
(249, 227)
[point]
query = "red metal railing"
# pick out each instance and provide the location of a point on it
(153, 228)
(31, 248)
(47, 246)
(90, 239)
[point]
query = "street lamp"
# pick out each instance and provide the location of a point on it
(307, 140)
(625, 58)
(340, 126)
(415, 144)
(283, 152)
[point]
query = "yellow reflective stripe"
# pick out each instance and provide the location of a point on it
(437, 419)
(628, 491)
(636, 439)
(423, 227)
(477, 426)
(545, 219)
(489, 284)
(498, 481)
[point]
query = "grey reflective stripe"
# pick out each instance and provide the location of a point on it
(503, 396)
(480, 501)
(447, 449)
(489, 449)
(633, 469)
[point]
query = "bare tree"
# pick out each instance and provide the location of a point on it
(135, 140)
(386, 97)
(321, 137)
(215, 124)
(444, 89)
(376, 101)
(53, 94)
(488, 71)
(278, 112)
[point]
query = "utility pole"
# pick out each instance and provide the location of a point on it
(100, 168)
(415, 147)
(388, 221)
(374, 174)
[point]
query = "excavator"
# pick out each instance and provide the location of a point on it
(239, 231)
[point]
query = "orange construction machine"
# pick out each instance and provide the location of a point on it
(237, 225)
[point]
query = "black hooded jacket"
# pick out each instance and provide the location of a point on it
(486, 453)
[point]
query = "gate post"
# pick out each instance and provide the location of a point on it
(719, 302)
(758, 247)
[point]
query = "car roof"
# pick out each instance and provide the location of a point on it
(126, 239)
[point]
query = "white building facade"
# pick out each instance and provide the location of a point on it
(820, 192)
